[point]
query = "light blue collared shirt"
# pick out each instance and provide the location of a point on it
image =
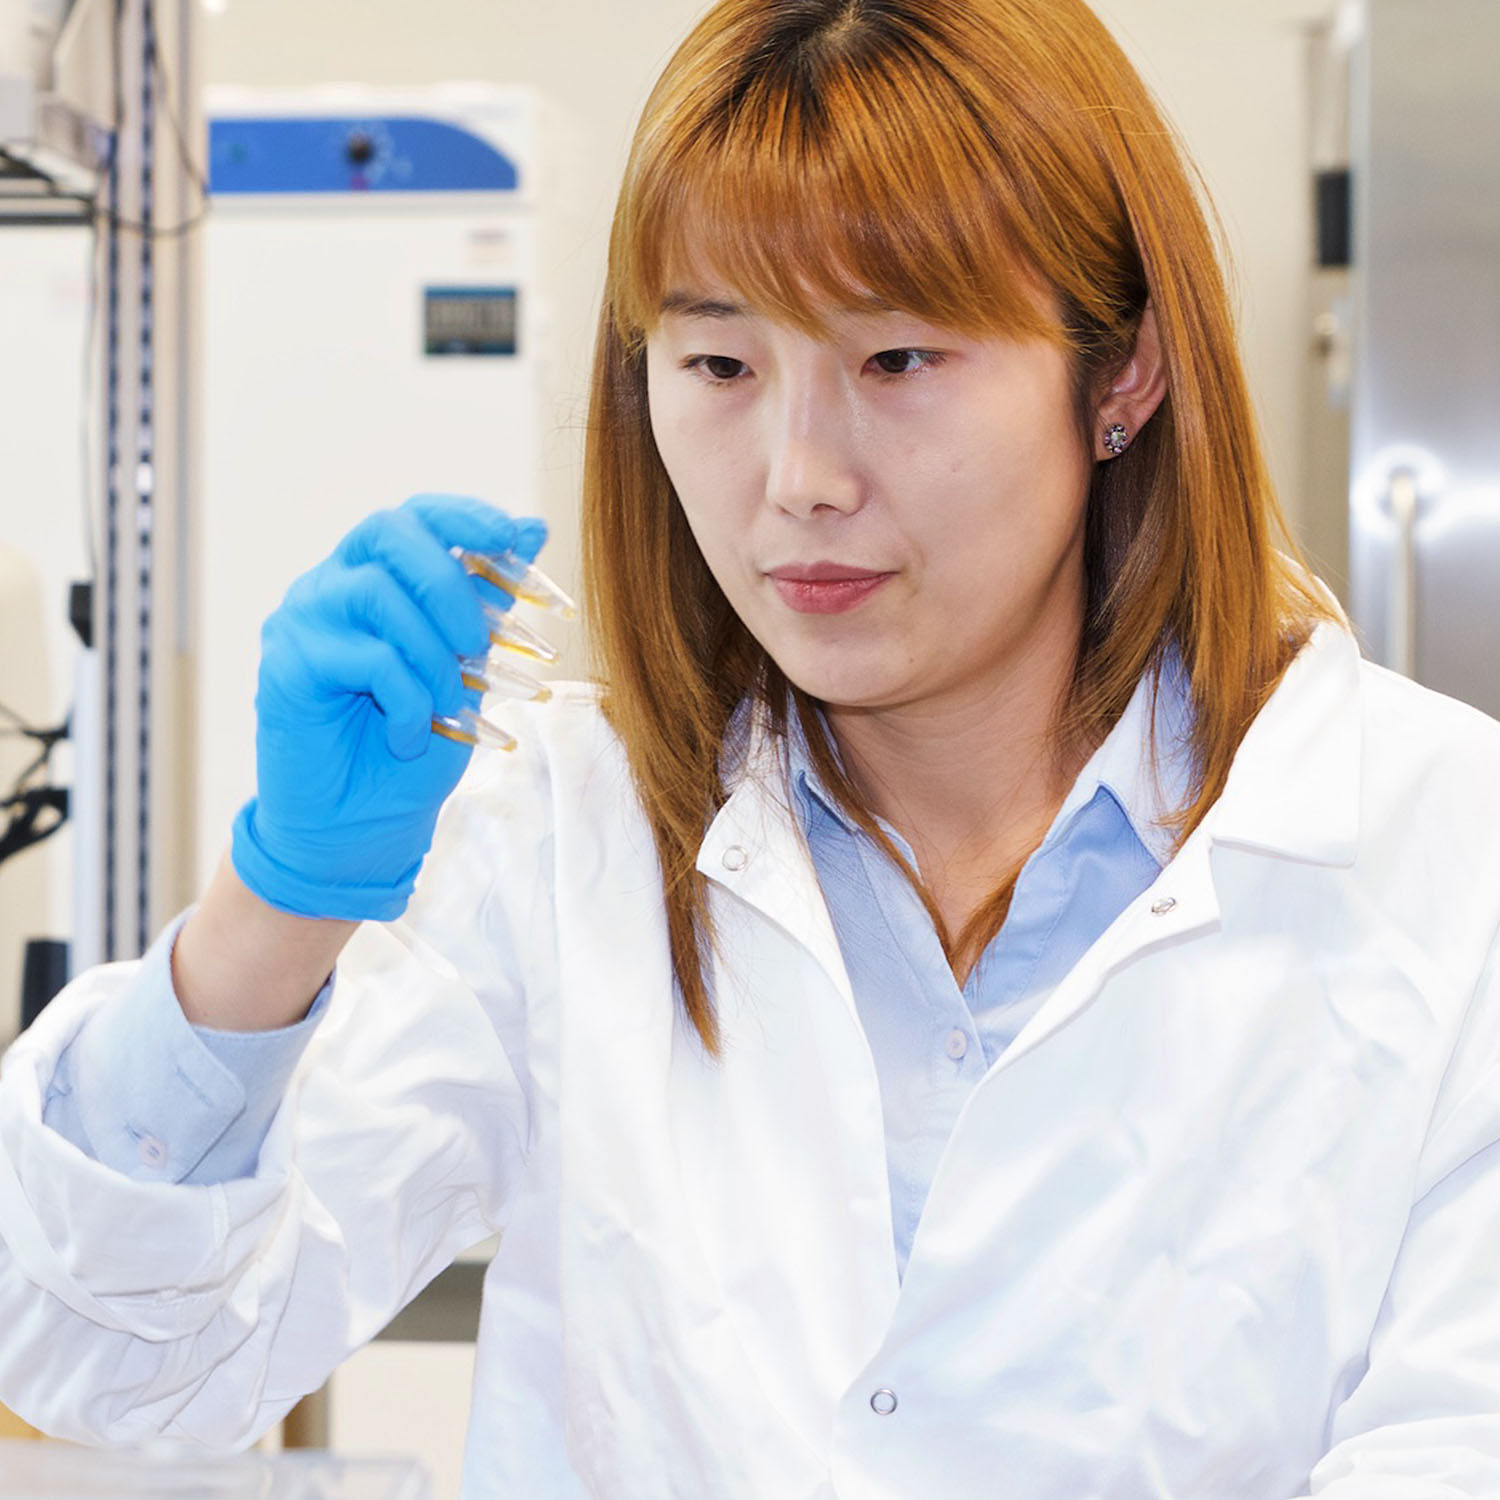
(158, 1099)
(932, 1041)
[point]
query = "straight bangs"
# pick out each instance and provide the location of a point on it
(818, 183)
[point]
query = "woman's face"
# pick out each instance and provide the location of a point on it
(895, 510)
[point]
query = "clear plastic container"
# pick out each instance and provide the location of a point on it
(60, 1471)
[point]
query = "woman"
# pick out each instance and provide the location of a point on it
(992, 996)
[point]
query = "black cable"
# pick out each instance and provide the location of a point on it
(161, 88)
(170, 232)
(30, 824)
(49, 740)
(196, 174)
(36, 812)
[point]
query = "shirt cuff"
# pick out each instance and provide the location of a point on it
(146, 1093)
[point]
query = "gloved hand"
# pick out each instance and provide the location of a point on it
(354, 663)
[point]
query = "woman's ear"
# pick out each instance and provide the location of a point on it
(1134, 394)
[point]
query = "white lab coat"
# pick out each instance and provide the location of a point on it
(1222, 1224)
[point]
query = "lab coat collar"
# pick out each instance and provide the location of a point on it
(1293, 791)
(1294, 786)
(1311, 721)
(756, 847)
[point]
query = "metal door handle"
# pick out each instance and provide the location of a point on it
(1401, 617)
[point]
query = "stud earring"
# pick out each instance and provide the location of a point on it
(1117, 440)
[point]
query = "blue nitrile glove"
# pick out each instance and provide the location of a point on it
(361, 653)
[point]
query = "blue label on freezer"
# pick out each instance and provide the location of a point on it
(469, 320)
(353, 155)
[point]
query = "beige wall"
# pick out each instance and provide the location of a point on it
(1230, 73)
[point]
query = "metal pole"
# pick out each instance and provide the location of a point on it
(147, 391)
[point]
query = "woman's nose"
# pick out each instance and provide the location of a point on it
(811, 464)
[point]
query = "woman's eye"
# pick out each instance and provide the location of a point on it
(904, 361)
(719, 368)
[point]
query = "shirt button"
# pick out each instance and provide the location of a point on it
(736, 857)
(958, 1043)
(883, 1402)
(1162, 907)
(151, 1151)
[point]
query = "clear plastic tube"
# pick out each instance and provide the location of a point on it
(520, 579)
(469, 727)
(510, 634)
(487, 676)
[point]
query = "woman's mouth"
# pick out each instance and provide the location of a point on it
(825, 588)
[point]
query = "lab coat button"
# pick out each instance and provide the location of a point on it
(151, 1151)
(1162, 907)
(958, 1043)
(736, 857)
(883, 1402)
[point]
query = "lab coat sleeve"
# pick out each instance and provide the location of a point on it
(1423, 1422)
(135, 1308)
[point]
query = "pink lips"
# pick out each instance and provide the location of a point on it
(825, 588)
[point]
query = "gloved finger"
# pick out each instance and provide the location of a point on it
(463, 521)
(363, 664)
(399, 542)
(368, 599)
(531, 537)
(460, 521)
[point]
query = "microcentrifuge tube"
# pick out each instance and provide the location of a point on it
(522, 580)
(467, 727)
(510, 634)
(487, 676)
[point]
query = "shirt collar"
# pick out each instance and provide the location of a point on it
(1294, 788)
(1148, 786)
(1145, 762)
(806, 783)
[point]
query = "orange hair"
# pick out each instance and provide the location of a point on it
(952, 158)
